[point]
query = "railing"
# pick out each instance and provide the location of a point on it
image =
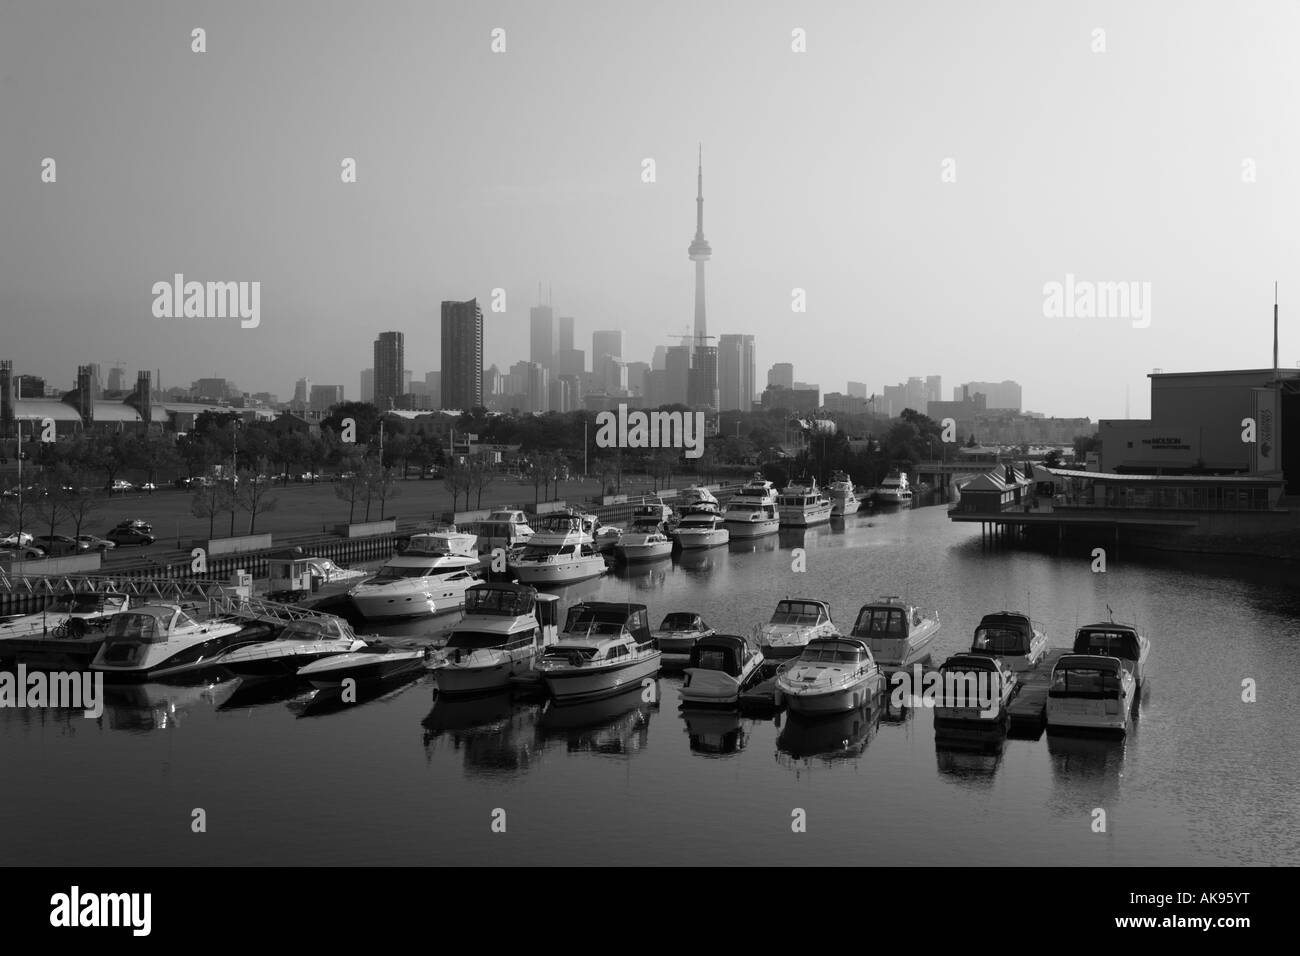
(262, 609)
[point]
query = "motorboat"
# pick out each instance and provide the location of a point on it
(1116, 640)
(701, 526)
(894, 489)
(751, 512)
(794, 623)
(69, 615)
(695, 495)
(721, 666)
(973, 690)
(832, 675)
(507, 528)
(561, 552)
(844, 497)
(155, 641)
(426, 578)
(505, 629)
(327, 572)
(445, 541)
(604, 648)
(370, 665)
(801, 506)
(1012, 638)
(607, 537)
(299, 643)
(647, 537)
(1090, 693)
(897, 632)
(678, 634)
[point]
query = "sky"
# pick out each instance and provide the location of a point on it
(920, 170)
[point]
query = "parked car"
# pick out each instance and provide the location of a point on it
(57, 545)
(94, 543)
(24, 553)
(149, 486)
(131, 535)
(120, 485)
(16, 539)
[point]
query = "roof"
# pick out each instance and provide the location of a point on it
(1088, 662)
(733, 641)
(1281, 372)
(858, 643)
(502, 586)
(1169, 479)
(985, 482)
(623, 607)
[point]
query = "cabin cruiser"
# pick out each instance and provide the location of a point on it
(898, 633)
(427, 578)
(605, 648)
(721, 666)
(1090, 692)
(647, 538)
(832, 675)
(696, 495)
(794, 623)
(69, 615)
(800, 506)
(507, 529)
(700, 526)
(844, 497)
(1012, 638)
(607, 537)
(894, 489)
(370, 665)
(974, 689)
(1116, 640)
(751, 512)
(165, 640)
(678, 634)
(505, 629)
(561, 552)
(299, 643)
(445, 541)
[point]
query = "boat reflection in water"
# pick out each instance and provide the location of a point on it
(257, 693)
(644, 576)
(331, 700)
(715, 733)
(970, 758)
(495, 734)
(752, 545)
(1086, 770)
(697, 560)
(617, 725)
(830, 740)
(150, 706)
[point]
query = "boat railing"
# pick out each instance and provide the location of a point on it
(262, 610)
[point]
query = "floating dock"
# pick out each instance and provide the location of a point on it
(1028, 709)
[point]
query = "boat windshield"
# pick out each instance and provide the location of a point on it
(681, 621)
(881, 622)
(475, 640)
(830, 654)
(545, 550)
(797, 612)
(566, 654)
(716, 659)
(390, 574)
(511, 603)
(309, 630)
(1119, 643)
(1085, 682)
(145, 628)
(1001, 640)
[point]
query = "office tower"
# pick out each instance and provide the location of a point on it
(703, 386)
(612, 374)
(857, 389)
(1000, 395)
(574, 392)
(565, 342)
(677, 375)
(433, 387)
(86, 394)
(607, 343)
(781, 375)
(703, 389)
(212, 389)
(571, 361)
(390, 363)
(659, 361)
(933, 388)
(301, 393)
(368, 385)
(406, 381)
(541, 324)
(538, 387)
(322, 398)
(462, 355)
(735, 372)
(115, 379)
(636, 373)
(561, 396)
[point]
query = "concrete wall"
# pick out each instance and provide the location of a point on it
(364, 529)
(69, 564)
(237, 545)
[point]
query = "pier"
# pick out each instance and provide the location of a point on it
(1027, 710)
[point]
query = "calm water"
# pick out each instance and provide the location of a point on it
(1203, 779)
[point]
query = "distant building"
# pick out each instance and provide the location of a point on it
(857, 389)
(800, 401)
(301, 394)
(462, 355)
(636, 373)
(367, 385)
(324, 397)
(433, 388)
(781, 375)
(1003, 395)
(541, 324)
(677, 375)
(390, 366)
(604, 344)
(565, 341)
(736, 385)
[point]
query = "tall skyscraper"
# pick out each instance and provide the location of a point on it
(301, 394)
(659, 361)
(677, 375)
(566, 334)
(605, 344)
(703, 386)
(367, 391)
(462, 355)
(541, 323)
(857, 389)
(781, 375)
(538, 388)
(390, 364)
(115, 378)
(433, 387)
(736, 385)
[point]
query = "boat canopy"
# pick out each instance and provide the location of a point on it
(1088, 676)
(682, 621)
(1003, 634)
(608, 618)
(317, 629)
(1111, 640)
(511, 600)
(800, 612)
(719, 652)
(969, 662)
(835, 650)
(147, 625)
(881, 620)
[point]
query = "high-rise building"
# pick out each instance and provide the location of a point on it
(322, 398)
(571, 361)
(703, 387)
(636, 373)
(301, 394)
(857, 389)
(998, 395)
(603, 344)
(115, 378)
(367, 391)
(541, 323)
(612, 374)
(565, 342)
(211, 389)
(660, 360)
(735, 372)
(390, 365)
(538, 387)
(433, 387)
(677, 375)
(781, 375)
(933, 388)
(462, 355)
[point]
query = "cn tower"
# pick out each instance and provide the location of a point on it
(704, 360)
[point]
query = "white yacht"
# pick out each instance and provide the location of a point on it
(562, 551)
(721, 666)
(844, 497)
(832, 675)
(507, 528)
(894, 489)
(299, 643)
(371, 665)
(165, 640)
(1116, 640)
(974, 690)
(751, 512)
(605, 648)
(1012, 638)
(898, 633)
(794, 623)
(695, 495)
(427, 578)
(505, 628)
(800, 506)
(1090, 693)
(700, 525)
(69, 615)
(678, 634)
(446, 541)
(647, 537)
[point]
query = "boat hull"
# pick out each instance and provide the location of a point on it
(566, 573)
(580, 683)
(692, 540)
(805, 518)
(841, 699)
(903, 652)
(753, 529)
(652, 551)
(460, 680)
(710, 688)
(383, 667)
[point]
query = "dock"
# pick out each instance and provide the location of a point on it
(1028, 708)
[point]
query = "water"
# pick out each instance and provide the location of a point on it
(1202, 779)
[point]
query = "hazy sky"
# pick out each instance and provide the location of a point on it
(822, 171)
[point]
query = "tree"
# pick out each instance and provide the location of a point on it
(292, 450)
(84, 499)
(108, 453)
(210, 499)
(1052, 459)
(481, 476)
(251, 496)
(384, 485)
(351, 485)
(50, 504)
(151, 452)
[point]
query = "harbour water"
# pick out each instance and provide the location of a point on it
(1204, 777)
